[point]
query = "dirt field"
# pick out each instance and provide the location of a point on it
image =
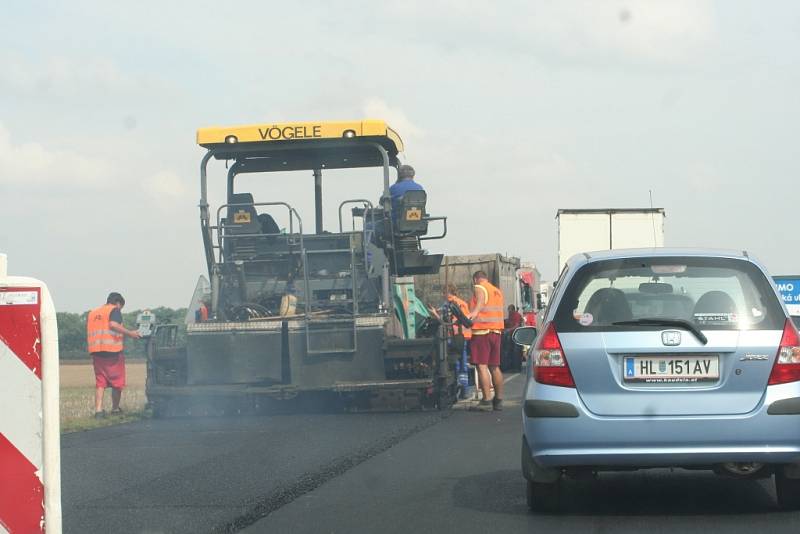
(77, 375)
(77, 395)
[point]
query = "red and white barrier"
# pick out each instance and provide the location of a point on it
(30, 457)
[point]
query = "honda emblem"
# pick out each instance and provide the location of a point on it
(671, 338)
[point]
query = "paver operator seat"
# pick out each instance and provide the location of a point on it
(409, 227)
(411, 219)
(242, 216)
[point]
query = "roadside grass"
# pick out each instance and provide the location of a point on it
(77, 398)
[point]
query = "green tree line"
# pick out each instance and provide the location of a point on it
(72, 331)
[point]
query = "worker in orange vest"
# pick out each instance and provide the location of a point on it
(452, 296)
(104, 339)
(201, 315)
(486, 314)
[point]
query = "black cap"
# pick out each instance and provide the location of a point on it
(115, 298)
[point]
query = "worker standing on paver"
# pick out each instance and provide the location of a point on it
(486, 314)
(104, 339)
(405, 182)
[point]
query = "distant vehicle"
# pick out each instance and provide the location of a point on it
(662, 358)
(530, 302)
(583, 230)
(789, 288)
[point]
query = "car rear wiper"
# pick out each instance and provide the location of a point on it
(652, 321)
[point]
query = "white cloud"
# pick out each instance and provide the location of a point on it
(61, 74)
(166, 188)
(704, 178)
(375, 108)
(35, 164)
(551, 167)
(666, 31)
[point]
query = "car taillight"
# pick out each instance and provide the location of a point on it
(549, 362)
(787, 364)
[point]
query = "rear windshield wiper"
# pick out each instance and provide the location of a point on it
(682, 323)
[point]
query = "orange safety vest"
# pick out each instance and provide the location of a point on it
(99, 336)
(491, 315)
(466, 332)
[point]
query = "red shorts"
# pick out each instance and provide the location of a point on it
(484, 349)
(109, 371)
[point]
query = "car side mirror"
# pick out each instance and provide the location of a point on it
(524, 335)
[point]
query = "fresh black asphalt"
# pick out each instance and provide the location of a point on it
(213, 475)
(418, 472)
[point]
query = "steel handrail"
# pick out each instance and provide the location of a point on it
(444, 230)
(364, 201)
(292, 214)
(221, 227)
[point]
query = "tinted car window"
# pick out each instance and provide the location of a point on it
(713, 293)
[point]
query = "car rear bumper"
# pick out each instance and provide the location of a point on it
(587, 439)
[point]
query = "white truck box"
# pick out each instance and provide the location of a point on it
(586, 230)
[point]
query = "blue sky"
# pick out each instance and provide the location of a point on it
(509, 111)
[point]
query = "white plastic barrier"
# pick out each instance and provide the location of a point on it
(30, 454)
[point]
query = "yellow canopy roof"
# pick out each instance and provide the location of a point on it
(302, 145)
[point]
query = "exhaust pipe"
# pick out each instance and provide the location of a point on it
(744, 469)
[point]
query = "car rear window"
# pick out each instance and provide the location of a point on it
(713, 293)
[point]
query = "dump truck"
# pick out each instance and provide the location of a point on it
(328, 314)
(458, 270)
(514, 279)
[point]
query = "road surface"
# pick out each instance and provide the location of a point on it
(419, 472)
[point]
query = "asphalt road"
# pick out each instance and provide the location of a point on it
(213, 475)
(373, 473)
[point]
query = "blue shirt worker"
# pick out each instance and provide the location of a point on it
(405, 182)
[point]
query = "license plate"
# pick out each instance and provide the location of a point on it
(671, 369)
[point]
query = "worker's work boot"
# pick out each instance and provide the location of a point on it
(484, 406)
(497, 404)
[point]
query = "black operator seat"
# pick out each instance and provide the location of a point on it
(609, 305)
(410, 218)
(715, 302)
(268, 224)
(242, 217)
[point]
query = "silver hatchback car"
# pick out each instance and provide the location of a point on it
(662, 358)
